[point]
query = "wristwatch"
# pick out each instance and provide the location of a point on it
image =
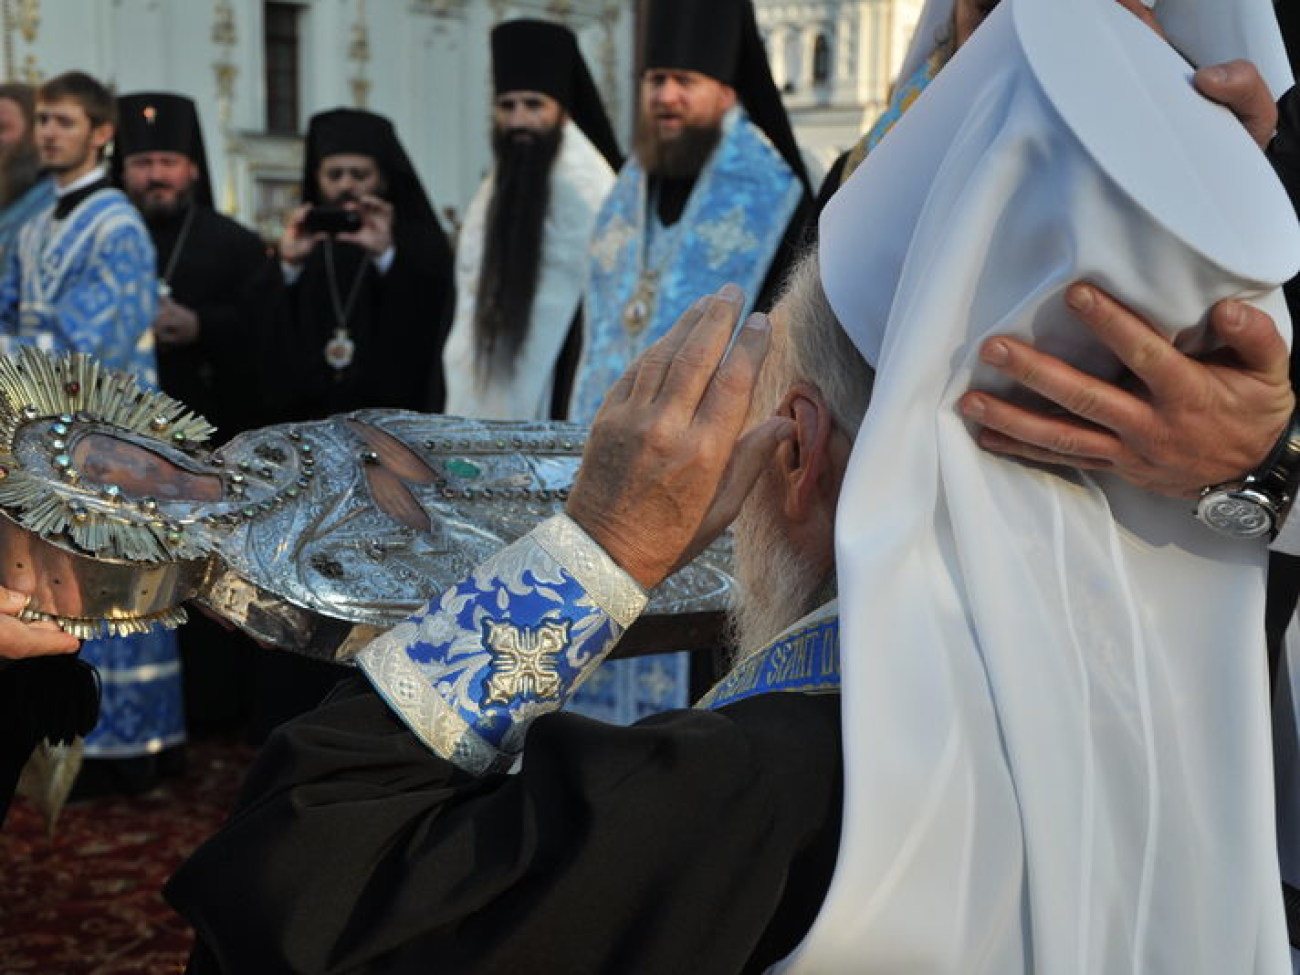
(1256, 504)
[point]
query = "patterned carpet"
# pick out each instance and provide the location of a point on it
(87, 902)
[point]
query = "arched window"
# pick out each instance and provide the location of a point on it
(793, 62)
(822, 60)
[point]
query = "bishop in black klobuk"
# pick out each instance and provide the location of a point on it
(370, 307)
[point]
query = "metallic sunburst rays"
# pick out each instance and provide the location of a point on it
(67, 393)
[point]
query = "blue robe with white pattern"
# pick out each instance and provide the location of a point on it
(732, 227)
(18, 213)
(85, 283)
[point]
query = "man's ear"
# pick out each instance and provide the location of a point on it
(805, 458)
(100, 136)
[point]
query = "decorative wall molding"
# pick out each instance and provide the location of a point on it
(440, 8)
(225, 70)
(21, 19)
(29, 19)
(611, 16)
(359, 54)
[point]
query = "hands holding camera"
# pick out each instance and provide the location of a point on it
(308, 225)
(376, 233)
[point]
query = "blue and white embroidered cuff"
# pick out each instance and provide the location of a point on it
(475, 667)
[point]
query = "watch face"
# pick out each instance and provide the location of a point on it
(1235, 513)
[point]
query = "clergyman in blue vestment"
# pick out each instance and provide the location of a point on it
(716, 192)
(81, 279)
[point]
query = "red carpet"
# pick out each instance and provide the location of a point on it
(88, 902)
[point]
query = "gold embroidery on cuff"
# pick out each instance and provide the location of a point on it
(434, 721)
(524, 661)
(610, 588)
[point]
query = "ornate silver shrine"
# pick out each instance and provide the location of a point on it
(312, 537)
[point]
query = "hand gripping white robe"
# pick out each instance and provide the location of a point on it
(1056, 715)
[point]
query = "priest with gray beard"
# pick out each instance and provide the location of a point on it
(765, 765)
(379, 833)
(522, 255)
(448, 814)
(24, 189)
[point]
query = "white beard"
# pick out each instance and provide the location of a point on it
(774, 585)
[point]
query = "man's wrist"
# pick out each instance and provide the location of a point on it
(508, 644)
(1258, 503)
(646, 572)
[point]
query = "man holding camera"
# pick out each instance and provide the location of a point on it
(371, 291)
(370, 275)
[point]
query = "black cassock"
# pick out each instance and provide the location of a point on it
(692, 842)
(225, 274)
(397, 322)
(1284, 570)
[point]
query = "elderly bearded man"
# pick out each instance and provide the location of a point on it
(698, 841)
(1031, 778)
(521, 259)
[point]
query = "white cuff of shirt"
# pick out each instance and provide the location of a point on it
(385, 260)
(383, 264)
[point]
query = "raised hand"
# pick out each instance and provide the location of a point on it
(666, 465)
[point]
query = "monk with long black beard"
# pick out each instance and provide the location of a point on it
(522, 256)
(516, 224)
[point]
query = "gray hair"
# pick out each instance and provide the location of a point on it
(813, 347)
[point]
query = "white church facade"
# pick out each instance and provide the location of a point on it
(258, 69)
(835, 61)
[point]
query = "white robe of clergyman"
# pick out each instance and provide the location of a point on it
(1057, 755)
